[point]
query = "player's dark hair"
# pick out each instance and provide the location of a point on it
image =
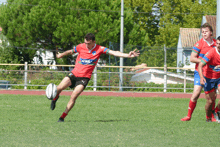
(218, 38)
(90, 36)
(207, 25)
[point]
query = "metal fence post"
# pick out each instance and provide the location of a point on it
(165, 69)
(25, 75)
(184, 81)
(121, 46)
(95, 79)
(165, 79)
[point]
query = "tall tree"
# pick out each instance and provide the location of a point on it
(145, 13)
(181, 13)
(174, 14)
(63, 23)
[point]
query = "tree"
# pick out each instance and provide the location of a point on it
(173, 14)
(63, 23)
(181, 13)
(145, 14)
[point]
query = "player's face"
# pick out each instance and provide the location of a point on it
(89, 44)
(206, 33)
(218, 45)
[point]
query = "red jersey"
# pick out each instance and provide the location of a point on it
(87, 59)
(211, 59)
(202, 47)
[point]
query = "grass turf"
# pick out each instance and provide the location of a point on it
(104, 121)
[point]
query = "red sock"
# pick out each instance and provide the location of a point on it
(56, 97)
(63, 115)
(208, 117)
(191, 108)
(217, 109)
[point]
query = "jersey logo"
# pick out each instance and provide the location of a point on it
(214, 68)
(94, 52)
(197, 45)
(71, 74)
(87, 61)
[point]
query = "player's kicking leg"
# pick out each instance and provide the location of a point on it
(192, 102)
(76, 92)
(66, 82)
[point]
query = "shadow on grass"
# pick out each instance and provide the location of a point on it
(117, 120)
(110, 120)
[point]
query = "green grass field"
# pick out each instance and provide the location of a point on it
(27, 121)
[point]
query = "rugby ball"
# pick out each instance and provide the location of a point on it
(51, 91)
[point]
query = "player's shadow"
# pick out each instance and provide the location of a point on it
(110, 120)
(116, 120)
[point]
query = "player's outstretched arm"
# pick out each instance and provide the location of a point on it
(60, 55)
(131, 54)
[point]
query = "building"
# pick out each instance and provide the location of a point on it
(157, 76)
(187, 38)
(45, 58)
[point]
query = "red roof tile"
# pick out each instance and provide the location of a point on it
(189, 36)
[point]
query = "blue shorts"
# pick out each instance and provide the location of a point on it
(197, 79)
(211, 85)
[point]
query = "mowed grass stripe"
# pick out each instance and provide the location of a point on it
(104, 121)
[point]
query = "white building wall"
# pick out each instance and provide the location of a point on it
(156, 76)
(47, 59)
(179, 52)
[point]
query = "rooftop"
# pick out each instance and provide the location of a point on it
(189, 36)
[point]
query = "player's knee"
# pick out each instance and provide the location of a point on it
(210, 101)
(197, 91)
(194, 99)
(61, 87)
(195, 96)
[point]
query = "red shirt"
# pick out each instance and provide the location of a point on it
(211, 59)
(202, 47)
(87, 59)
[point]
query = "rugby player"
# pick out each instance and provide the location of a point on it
(199, 50)
(210, 77)
(88, 55)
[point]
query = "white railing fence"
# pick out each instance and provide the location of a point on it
(148, 79)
